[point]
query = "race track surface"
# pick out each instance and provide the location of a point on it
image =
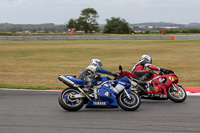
(39, 112)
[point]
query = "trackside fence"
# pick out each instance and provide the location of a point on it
(99, 37)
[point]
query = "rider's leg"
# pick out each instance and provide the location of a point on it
(145, 76)
(93, 79)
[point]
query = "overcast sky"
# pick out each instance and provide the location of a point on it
(133, 11)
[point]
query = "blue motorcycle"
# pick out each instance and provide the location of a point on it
(106, 93)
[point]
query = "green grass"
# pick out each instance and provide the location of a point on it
(36, 64)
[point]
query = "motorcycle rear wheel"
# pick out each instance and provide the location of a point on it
(70, 104)
(129, 104)
(175, 96)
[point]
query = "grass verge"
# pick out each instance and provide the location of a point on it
(36, 64)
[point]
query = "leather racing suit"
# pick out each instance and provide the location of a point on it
(90, 74)
(139, 70)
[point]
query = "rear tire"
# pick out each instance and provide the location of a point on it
(70, 104)
(175, 96)
(129, 104)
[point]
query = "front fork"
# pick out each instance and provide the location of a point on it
(127, 94)
(175, 87)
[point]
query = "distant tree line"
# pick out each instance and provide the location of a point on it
(46, 28)
(192, 30)
(117, 26)
(87, 23)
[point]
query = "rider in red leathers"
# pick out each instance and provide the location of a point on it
(140, 66)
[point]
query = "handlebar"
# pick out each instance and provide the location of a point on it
(166, 71)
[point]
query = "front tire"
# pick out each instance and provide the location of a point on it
(129, 104)
(68, 103)
(177, 96)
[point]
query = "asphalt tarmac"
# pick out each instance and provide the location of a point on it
(39, 112)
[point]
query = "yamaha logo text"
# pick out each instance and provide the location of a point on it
(99, 103)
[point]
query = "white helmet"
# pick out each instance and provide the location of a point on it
(147, 58)
(96, 62)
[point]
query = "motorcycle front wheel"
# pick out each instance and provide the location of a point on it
(129, 104)
(67, 102)
(177, 96)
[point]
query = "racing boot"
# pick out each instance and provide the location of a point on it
(89, 87)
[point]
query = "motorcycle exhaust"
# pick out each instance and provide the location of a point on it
(71, 83)
(66, 81)
(141, 88)
(135, 84)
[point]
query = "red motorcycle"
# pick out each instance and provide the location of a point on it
(159, 86)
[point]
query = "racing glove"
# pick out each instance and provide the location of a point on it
(114, 75)
(162, 69)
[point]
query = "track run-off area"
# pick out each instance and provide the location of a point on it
(38, 111)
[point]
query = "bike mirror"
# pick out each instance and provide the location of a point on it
(120, 68)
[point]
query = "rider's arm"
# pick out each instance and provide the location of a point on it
(104, 71)
(100, 70)
(152, 67)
